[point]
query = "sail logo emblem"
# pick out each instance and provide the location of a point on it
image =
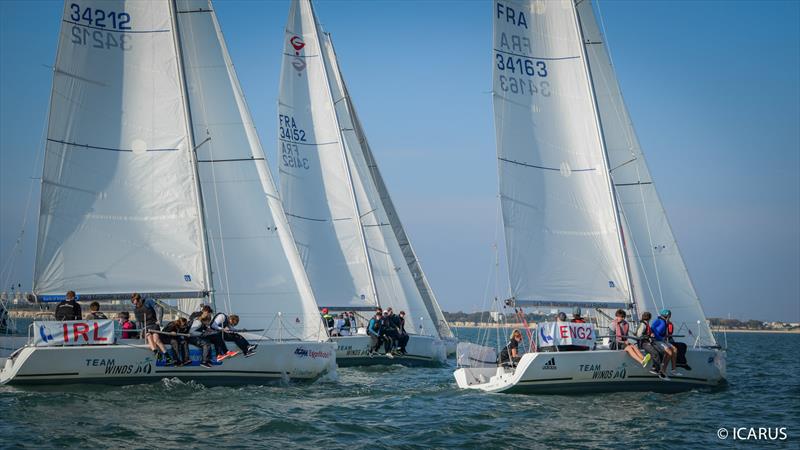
(297, 43)
(45, 333)
(550, 365)
(545, 337)
(187, 278)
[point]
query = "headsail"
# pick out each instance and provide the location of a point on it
(119, 208)
(257, 270)
(563, 241)
(661, 279)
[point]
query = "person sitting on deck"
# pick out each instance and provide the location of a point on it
(124, 319)
(390, 322)
(95, 313)
(561, 317)
(659, 328)
(68, 309)
(351, 316)
(510, 356)
(403, 338)
(213, 336)
(196, 329)
(680, 347)
(374, 333)
(619, 334)
(645, 335)
(147, 317)
(227, 326)
(178, 343)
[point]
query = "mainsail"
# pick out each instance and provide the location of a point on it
(311, 74)
(154, 176)
(561, 227)
(660, 276)
(119, 205)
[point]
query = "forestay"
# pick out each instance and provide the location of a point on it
(315, 179)
(392, 272)
(119, 208)
(563, 241)
(257, 271)
(660, 276)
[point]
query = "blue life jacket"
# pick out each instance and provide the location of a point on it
(659, 328)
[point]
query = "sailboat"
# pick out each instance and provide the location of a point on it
(154, 181)
(584, 226)
(353, 246)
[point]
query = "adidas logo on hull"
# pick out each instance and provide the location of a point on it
(550, 365)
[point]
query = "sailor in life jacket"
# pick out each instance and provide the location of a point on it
(227, 326)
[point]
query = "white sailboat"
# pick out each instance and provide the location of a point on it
(154, 181)
(583, 223)
(354, 248)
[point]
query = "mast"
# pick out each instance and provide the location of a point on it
(606, 165)
(173, 8)
(348, 170)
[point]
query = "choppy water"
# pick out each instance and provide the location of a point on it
(409, 408)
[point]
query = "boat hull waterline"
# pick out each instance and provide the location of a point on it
(591, 372)
(421, 351)
(123, 364)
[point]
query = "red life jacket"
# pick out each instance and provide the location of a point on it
(621, 330)
(578, 321)
(647, 331)
(670, 328)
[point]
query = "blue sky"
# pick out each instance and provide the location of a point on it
(713, 89)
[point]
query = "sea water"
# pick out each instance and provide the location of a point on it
(402, 407)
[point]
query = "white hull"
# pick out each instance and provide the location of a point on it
(591, 371)
(422, 351)
(134, 363)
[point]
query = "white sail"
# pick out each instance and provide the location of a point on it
(563, 241)
(119, 208)
(257, 272)
(661, 279)
(398, 286)
(315, 178)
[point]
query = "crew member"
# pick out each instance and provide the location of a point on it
(659, 328)
(227, 326)
(374, 333)
(147, 318)
(179, 344)
(619, 338)
(197, 327)
(576, 315)
(68, 309)
(403, 336)
(95, 313)
(645, 334)
(681, 347)
(509, 356)
(328, 319)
